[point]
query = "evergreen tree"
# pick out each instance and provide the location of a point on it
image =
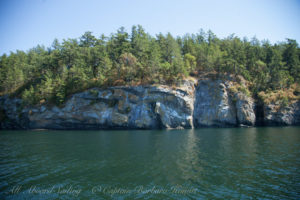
(74, 65)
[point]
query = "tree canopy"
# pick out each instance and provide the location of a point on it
(72, 65)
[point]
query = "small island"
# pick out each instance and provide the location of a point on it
(133, 100)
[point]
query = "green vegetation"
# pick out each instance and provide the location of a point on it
(50, 75)
(236, 87)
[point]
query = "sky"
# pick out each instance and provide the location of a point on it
(26, 23)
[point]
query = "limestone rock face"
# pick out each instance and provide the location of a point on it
(210, 103)
(216, 105)
(138, 107)
(276, 115)
(213, 105)
(245, 109)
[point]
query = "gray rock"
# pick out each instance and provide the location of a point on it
(245, 109)
(213, 105)
(278, 115)
(115, 107)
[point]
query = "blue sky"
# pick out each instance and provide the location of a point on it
(27, 23)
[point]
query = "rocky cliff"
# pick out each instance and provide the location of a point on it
(278, 115)
(215, 105)
(202, 103)
(140, 107)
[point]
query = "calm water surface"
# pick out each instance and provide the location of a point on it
(237, 163)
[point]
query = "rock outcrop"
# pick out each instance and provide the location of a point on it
(11, 114)
(139, 107)
(215, 105)
(206, 103)
(245, 108)
(282, 115)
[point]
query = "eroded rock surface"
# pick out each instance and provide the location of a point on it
(206, 103)
(140, 107)
(287, 115)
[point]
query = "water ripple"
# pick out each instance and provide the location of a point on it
(260, 163)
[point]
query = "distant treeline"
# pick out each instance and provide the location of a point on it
(51, 74)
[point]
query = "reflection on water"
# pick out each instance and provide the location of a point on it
(160, 164)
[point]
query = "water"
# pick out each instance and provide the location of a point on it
(260, 163)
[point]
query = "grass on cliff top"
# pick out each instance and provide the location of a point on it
(281, 97)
